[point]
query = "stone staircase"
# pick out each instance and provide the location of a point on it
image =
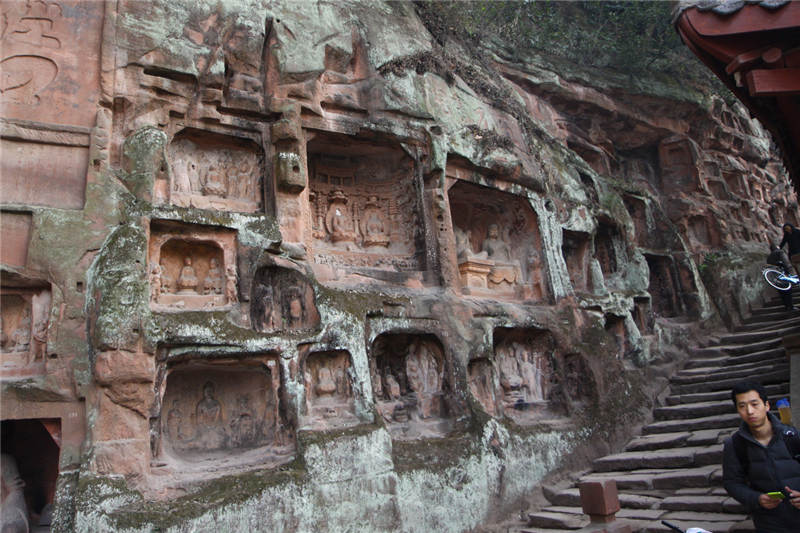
(673, 470)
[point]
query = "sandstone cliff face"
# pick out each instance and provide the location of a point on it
(303, 266)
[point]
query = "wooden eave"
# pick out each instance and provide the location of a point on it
(756, 53)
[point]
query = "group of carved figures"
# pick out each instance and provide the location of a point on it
(25, 335)
(370, 228)
(415, 388)
(225, 174)
(327, 385)
(502, 269)
(292, 312)
(187, 282)
(208, 428)
(525, 374)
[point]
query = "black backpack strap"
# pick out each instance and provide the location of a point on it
(740, 447)
(792, 440)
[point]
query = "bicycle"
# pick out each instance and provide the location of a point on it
(779, 278)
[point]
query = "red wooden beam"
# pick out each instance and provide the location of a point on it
(773, 82)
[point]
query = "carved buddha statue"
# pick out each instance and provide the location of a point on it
(215, 182)
(326, 385)
(374, 226)
(213, 282)
(339, 220)
(187, 280)
(495, 248)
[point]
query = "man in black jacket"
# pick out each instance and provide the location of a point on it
(759, 459)
(791, 236)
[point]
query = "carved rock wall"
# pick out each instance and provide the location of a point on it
(301, 262)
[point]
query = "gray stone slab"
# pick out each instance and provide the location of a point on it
(704, 518)
(545, 519)
(705, 437)
(641, 514)
(694, 502)
(710, 455)
(693, 410)
(685, 478)
(730, 420)
(666, 458)
(658, 440)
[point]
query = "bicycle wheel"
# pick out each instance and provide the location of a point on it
(775, 278)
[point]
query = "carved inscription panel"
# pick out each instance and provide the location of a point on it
(50, 60)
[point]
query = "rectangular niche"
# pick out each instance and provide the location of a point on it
(664, 286)
(575, 247)
(213, 171)
(498, 243)
(15, 234)
(327, 377)
(410, 380)
(224, 409)
(538, 381)
(25, 314)
(191, 267)
(365, 209)
(609, 248)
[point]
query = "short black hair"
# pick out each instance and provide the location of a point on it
(746, 386)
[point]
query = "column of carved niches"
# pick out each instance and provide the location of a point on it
(364, 208)
(498, 243)
(213, 410)
(24, 317)
(329, 393)
(282, 299)
(191, 268)
(212, 171)
(411, 386)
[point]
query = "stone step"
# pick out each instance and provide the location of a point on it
(547, 519)
(774, 376)
(693, 410)
(753, 360)
(658, 441)
(702, 503)
(735, 348)
(684, 457)
(778, 321)
(737, 372)
(730, 420)
(750, 337)
(661, 479)
(777, 389)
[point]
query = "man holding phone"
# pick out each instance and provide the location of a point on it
(761, 463)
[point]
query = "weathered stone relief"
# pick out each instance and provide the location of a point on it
(24, 319)
(328, 387)
(212, 409)
(15, 234)
(481, 378)
(575, 247)
(664, 286)
(364, 207)
(192, 269)
(212, 171)
(498, 243)
(524, 361)
(282, 299)
(410, 385)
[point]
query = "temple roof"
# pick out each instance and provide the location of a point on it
(754, 48)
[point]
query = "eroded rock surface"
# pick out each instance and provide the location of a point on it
(298, 266)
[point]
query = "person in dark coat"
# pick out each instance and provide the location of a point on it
(777, 257)
(761, 462)
(791, 236)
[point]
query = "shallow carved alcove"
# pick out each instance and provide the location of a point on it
(704, 231)
(282, 299)
(481, 378)
(498, 244)
(525, 361)
(191, 267)
(365, 210)
(30, 458)
(24, 318)
(221, 409)
(642, 315)
(329, 392)
(213, 171)
(637, 208)
(615, 326)
(678, 162)
(608, 248)
(575, 248)
(664, 286)
(410, 379)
